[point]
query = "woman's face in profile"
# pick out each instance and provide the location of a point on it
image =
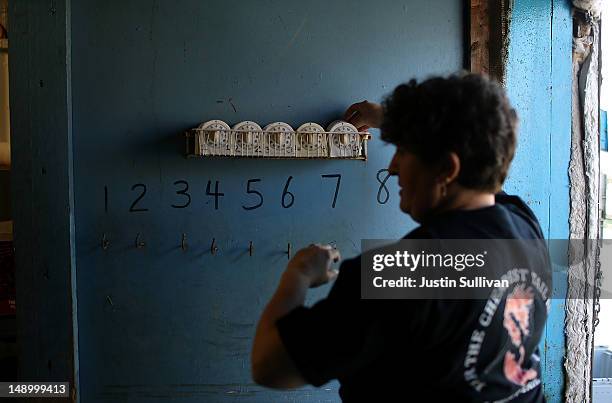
(417, 181)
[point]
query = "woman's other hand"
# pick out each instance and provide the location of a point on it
(364, 115)
(314, 264)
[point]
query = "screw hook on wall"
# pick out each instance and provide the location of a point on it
(250, 248)
(184, 245)
(213, 247)
(105, 242)
(139, 243)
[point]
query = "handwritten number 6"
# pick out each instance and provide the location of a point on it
(287, 193)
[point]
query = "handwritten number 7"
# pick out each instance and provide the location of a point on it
(338, 177)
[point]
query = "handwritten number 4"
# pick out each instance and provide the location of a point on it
(217, 194)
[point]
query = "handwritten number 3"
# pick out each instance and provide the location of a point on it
(183, 193)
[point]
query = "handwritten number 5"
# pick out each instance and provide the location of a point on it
(255, 192)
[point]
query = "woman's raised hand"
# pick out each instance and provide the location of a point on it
(364, 115)
(314, 264)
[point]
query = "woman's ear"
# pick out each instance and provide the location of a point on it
(450, 167)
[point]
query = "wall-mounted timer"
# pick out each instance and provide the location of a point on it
(215, 138)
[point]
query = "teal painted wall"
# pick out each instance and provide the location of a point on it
(539, 84)
(162, 324)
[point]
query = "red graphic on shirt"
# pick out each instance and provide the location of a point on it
(516, 322)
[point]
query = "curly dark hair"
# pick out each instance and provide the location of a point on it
(465, 113)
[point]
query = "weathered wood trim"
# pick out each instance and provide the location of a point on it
(584, 207)
(42, 197)
(489, 36)
(479, 36)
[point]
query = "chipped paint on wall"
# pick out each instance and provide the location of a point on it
(584, 191)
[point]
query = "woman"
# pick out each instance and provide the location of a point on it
(455, 138)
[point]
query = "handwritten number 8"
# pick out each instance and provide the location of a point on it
(382, 187)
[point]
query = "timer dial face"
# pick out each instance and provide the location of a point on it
(311, 139)
(248, 138)
(280, 137)
(212, 135)
(344, 140)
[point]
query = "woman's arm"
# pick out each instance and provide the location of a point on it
(271, 365)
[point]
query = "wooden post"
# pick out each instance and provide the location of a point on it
(43, 208)
(489, 34)
(479, 36)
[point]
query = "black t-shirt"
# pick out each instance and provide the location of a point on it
(425, 350)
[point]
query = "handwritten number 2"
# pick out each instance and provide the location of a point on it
(133, 208)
